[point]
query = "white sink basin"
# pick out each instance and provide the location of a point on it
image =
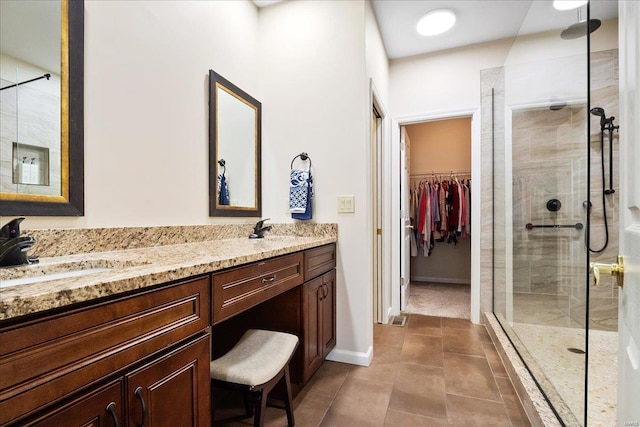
(52, 276)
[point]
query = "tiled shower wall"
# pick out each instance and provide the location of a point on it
(32, 117)
(549, 162)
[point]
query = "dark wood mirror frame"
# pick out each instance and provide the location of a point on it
(214, 208)
(72, 108)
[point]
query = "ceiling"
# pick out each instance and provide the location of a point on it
(30, 30)
(477, 21)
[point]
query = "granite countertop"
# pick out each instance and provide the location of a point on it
(128, 269)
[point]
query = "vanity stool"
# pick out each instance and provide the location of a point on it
(255, 365)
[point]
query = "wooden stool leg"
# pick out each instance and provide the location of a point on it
(248, 404)
(213, 404)
(258, 420)
(289, 402)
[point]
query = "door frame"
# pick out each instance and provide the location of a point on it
(375, 101)
(394, 206)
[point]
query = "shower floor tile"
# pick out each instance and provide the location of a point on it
(564, 370)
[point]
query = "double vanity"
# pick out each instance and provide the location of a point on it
(124, 337)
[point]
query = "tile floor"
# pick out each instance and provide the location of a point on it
(434, 371)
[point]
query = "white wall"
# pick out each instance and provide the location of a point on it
(445, 81)
(146, 119)
(314, 92)
(450, 80)
(146, 112)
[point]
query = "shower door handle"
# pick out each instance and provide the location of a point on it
(616, 270)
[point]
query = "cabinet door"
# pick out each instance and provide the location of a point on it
(313, 356)
(172, 390)
(98, 407)
(328, 318)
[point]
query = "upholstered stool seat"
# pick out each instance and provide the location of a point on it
(255, 365)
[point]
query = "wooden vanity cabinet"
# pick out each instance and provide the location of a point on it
(99, 407)
(301, 300)
(74, 364)
(172, 390)
(318, 309)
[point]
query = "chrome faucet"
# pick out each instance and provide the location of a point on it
(260, 229)
(13, 246)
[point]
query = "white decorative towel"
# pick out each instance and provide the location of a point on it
(298, 190)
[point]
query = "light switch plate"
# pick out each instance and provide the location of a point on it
(346, 204)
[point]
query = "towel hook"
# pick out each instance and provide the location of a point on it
(303, 156)
(222, 163)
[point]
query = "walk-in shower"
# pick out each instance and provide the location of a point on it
(552, 104)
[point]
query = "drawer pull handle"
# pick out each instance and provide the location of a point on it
(111, 409)
(138, 394)
(269, 280)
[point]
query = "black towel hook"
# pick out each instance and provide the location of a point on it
(222, 163)
(303, 156)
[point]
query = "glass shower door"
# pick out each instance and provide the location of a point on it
(541, 193)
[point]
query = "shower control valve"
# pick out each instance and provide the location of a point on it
(616, 270)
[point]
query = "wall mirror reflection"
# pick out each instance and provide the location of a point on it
(234, 150)
(41, 107)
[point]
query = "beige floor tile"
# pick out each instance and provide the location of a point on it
(309, 410)
(420, 390)
(470, 412)
(329, 378)
(424, 325)
(392, 336)
(386, 354)
(404, 419)
(494, 360)
(463, 341)
(419, 376)
(422, 349)
(469, 376)
(514, 408)
(359, 403)
(384, 372)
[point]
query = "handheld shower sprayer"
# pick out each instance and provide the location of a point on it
(599, 111)
(606, 124)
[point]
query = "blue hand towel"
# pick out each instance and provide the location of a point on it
(223, 190)
(298, 190)
(300, 194)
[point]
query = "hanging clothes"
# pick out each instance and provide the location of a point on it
(440, 212)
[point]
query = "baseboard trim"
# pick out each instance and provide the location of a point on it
(391, 312)
(440, 280)
(351, 357)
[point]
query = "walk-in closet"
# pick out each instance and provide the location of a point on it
(440, 210)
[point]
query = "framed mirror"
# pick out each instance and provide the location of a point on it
(41, 107)
(235, 120)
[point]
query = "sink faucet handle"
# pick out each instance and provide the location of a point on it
(260, 224)
(11, 229)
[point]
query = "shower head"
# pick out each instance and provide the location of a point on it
(579, 29)
(557, 104)
(599, 111)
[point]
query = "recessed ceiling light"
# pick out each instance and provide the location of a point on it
(568, 4)
(436, 22)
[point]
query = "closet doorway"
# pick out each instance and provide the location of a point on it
(439, 167)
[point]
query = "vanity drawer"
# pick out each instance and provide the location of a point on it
(46, 359)
(318, 261)
(241, 288)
